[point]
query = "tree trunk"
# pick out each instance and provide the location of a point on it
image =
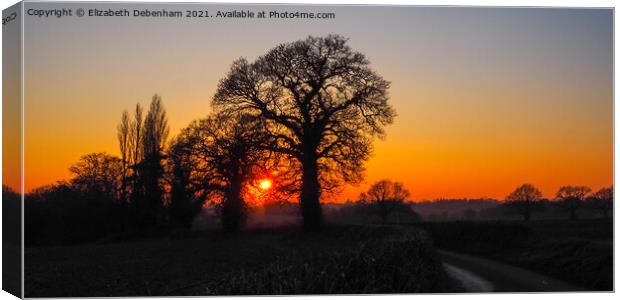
(233, 214)
(233, 210)
(311, 193)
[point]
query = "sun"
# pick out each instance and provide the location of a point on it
(265, 184)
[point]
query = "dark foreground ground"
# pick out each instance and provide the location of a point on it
(342, 259)
(364, 259)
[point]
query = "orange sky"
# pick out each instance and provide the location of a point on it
(487, 99)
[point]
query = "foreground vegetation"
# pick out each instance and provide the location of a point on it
(580, 251)
(340, 259)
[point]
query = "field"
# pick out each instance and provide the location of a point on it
(580, 252)
(341, 259)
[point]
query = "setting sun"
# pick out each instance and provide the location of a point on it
(265, 184)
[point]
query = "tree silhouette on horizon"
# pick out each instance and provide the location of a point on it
(97, 172)
(603, 200)
(523, 199)
(385, 195)
(322, 104)
(572, 198)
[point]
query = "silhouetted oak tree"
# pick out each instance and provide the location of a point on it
(572, 198)
(523, 199)
(228, 152)
(322, 104)
(385, 196)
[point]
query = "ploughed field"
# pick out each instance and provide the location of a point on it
(340, 259)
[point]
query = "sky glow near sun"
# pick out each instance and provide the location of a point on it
(487, 98)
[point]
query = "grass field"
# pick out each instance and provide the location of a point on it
(342, 259)
(580, 252)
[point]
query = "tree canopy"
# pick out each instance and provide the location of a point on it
(322, 104)
(572, 197)
(523, 198)
(385, 195)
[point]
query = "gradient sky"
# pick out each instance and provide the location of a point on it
(487, 98)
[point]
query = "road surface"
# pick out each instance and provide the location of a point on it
(477, 274)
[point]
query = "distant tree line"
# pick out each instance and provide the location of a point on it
(527, 198)
(526, 203)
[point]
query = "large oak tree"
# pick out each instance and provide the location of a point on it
(322, 104)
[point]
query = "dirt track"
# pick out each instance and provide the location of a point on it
(483, 275)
